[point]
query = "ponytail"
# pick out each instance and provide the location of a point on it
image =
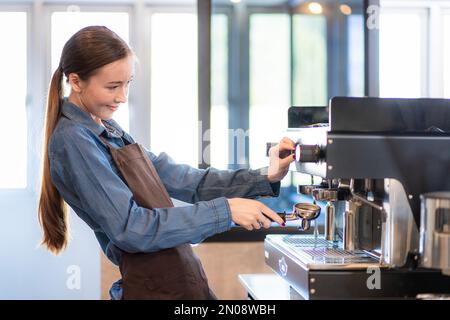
(52, 210)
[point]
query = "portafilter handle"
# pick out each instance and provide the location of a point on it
(304, 223)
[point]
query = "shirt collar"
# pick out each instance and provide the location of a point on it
(77, 114)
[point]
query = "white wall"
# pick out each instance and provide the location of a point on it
(30, 272)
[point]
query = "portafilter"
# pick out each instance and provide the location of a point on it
(305, 212)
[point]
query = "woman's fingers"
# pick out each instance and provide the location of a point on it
(287, 146)
(287, 161)
(252, 214)
(288, 142)
(284, 149)
(264, 221)
(256, 225)
(271, 214)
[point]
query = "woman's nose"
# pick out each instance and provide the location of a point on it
(121, 96)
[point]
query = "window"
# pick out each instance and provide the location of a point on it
(219, 91)
(310, 60)
(174, 104)
(403, 53)
(269, 82)
(415, 48)
(446, 57)
(13, 90)
(356, 55)
(65, 24)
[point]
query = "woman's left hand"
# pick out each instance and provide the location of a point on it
(279, 165)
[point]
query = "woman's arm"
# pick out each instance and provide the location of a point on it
(83, 175)
(191, 185)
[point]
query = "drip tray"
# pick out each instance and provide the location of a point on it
(302, 241)
(318, 253)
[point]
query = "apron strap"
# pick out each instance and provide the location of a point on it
(106, 142)
(125, 142)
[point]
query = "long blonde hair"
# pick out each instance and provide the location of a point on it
(84, 53)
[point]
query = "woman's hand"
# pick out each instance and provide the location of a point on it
(279, 164)
(252, 214)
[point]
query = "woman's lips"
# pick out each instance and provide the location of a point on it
(113, 108)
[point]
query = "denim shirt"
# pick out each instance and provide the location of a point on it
(85, 175)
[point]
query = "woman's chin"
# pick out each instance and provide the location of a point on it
(107, 115)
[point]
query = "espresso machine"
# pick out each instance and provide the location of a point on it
(384, 167)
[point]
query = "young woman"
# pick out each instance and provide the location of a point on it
(123, 191)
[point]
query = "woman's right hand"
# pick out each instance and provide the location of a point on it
(252, 214)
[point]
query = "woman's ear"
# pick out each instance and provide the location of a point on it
(75, 82)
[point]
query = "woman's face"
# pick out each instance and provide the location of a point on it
(102, 94)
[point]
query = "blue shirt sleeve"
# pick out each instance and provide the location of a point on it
(78, 164)
(191, 185)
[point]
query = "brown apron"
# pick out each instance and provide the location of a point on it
(174, 273)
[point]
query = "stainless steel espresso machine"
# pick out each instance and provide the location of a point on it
(385, 169)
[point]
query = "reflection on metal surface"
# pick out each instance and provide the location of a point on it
(322, 254)
(435, 231)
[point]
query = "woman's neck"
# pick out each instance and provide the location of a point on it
(76, 101)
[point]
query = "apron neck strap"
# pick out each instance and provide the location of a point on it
(106, 142)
